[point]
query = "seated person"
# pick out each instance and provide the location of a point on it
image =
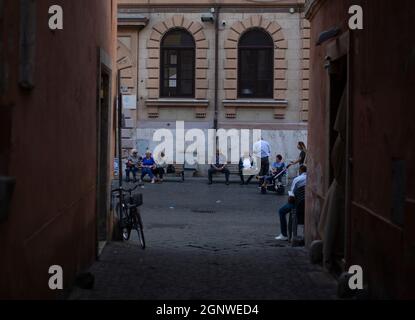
(219, 165)
(148, 165)
(132, 165)
(298, 182)
(161, 165)
(246, 168)
(278, 167)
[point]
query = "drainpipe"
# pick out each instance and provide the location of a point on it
(27, 44)
(119, 131)
(120, 126)
(215, 121)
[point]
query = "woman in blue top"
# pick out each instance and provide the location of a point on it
(148, 165)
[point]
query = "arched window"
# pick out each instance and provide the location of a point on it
(256, 65)
(177, 64)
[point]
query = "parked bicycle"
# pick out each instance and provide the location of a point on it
(129, 214)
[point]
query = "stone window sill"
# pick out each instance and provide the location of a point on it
(200, 106)
(255, 103)
(177, 102)
(278, 106)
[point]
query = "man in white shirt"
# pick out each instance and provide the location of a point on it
(161, 165)
(298, 182)
(246, 168)
(262, 151)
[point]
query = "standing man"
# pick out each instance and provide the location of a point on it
(262, 152)
(219, 165)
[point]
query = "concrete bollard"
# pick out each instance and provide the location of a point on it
(316, 252)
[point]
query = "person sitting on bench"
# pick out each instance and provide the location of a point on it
(132, 165)
(148, 165)
(219, 165)
(298, 182)
(246, 168)
(161, 166)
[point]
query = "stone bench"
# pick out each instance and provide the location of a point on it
(178, 171)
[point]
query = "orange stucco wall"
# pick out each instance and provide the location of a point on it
(51, 145)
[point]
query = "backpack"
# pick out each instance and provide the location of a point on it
(171, 169)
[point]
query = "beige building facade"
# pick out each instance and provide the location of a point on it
(214, 64)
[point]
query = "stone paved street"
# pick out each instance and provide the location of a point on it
(208, 242)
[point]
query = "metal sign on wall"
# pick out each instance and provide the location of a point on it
(129, 102)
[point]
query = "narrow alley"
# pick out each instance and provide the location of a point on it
(310, 97)
(208, 242)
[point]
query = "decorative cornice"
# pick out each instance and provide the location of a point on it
(132, 20)
(287, 4)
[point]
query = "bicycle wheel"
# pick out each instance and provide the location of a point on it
(126, 233)
(139, 227)
(125, 224)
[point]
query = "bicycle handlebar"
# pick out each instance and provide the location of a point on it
(124, 190)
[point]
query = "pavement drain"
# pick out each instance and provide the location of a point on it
(204, 211)
(214, 249)
(168, 226)
(243, 245)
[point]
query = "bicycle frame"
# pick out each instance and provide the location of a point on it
(131, 212)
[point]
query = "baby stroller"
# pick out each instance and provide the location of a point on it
(275, 183)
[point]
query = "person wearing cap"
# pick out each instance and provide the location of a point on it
(148, 165)
(132, 165)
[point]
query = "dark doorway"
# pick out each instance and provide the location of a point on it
(338, 73)
(338, 85)
(102, 156)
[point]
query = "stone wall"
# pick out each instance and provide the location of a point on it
(282, 142)
(283, 116)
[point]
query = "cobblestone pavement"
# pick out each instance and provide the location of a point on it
(208, 242)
